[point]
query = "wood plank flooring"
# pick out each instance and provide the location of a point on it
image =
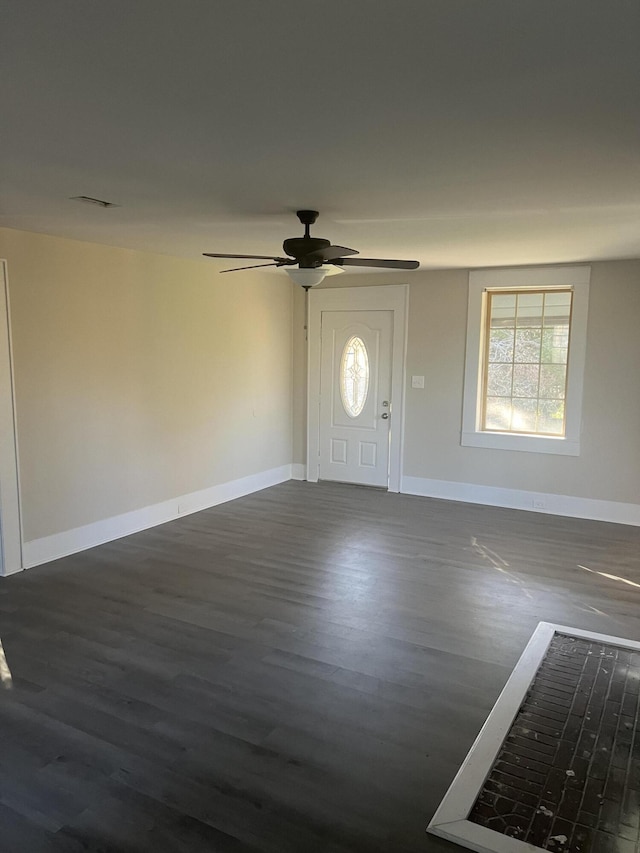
(303, 669)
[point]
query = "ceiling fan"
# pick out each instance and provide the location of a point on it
(315, 257)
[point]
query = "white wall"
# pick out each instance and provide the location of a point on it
(140, 378)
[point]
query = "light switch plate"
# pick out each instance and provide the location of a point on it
(417, 381)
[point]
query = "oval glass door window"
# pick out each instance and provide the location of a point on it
(354, 376)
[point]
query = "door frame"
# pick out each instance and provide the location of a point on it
(386, 297)
(10, 515)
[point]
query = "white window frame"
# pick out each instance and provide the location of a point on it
(481, 281)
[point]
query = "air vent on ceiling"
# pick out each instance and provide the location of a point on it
(89, 200)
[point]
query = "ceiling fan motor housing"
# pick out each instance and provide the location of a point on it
(299, 247)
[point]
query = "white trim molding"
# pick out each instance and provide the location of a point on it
(10, 515)
(39, 551)
(386, 297)
(451, 819)
(575, 507)
(298, 471)
(480, 282)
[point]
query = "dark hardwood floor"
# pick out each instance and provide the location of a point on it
(303, 669)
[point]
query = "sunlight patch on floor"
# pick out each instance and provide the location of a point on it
(5, 673)
(498, 564)
(610, 577)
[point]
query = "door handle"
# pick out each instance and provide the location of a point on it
(384, 415)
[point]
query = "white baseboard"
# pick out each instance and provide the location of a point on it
(11, 571)
(597, 510)
(39, 551)
(48, 548)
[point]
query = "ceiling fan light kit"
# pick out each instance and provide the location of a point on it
(315, 257)
(312, 276)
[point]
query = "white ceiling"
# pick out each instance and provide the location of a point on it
(457, 132)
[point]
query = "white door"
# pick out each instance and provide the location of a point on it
(355, 396)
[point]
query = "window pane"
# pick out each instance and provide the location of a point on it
(555, 343)
(551, 417)
(552, 381)
(525, 380)
(554, 318)
(530, 302)
(503, 309)
(528, 345)
(557, 308)
(498, 413)
(530, 309)
(554, 298)
(524, 415)
(354, 376)
(499, 378)
(501, 345)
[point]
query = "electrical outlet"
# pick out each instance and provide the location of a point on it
(539, 503)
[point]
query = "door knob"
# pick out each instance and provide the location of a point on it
(384, 415)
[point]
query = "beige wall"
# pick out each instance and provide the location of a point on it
(608, 467)
(140, 378)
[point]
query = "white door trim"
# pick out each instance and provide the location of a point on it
(388, 297)
(10, 517)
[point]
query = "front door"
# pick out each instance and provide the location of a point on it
(355, 396)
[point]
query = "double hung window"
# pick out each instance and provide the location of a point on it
(525, 357)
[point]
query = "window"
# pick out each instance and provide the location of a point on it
(526, 344)
(354, 376)
(526, 337)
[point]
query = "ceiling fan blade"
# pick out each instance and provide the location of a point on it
(385, 263)
(251, 257)
(329, 253)
(252, 267)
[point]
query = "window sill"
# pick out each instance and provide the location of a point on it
(527, 443)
